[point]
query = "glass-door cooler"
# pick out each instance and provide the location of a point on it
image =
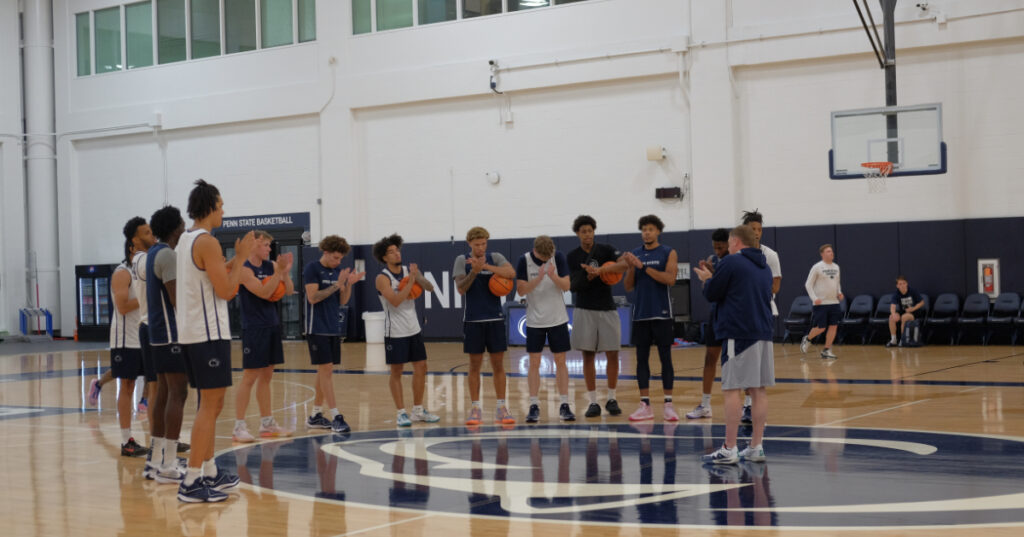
(92, 291)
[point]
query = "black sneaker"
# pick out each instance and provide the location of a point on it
(339, 425)
(131, 448)
(533, 416)
(183, 447)
(318, 421)
(565, 414)
(199, 492)
(612, 406)
(745, 418)
(593, 411)
(222, 481)
(890, 344)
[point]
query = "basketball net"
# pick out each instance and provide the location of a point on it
(875, 173)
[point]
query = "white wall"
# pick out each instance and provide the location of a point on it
(384, 127)
(12, 178)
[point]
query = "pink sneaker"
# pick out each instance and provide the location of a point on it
(642, 413)
(670, 413)
(94, 392)
(273, 431)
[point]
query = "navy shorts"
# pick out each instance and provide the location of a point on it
(557, 338)
(404, 350)
(261, 347)
(168, 358)
(208, 364)
(324, 349)
(148, 365)
(484, 336)
(126, 363)
(825, 316)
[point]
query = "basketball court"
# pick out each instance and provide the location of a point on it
(923, 441)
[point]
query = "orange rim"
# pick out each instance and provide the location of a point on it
(884, 167)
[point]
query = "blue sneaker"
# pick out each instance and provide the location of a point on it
(149, 471)
(318, 421)
(199, 492)
(222, 481)
(403, 419)
(722, 456)
(339, 426)
(533, 415)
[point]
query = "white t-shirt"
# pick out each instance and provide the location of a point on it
(772, 258)
(823, 283)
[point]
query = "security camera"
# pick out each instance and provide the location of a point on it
(492, 62)
(923, 6)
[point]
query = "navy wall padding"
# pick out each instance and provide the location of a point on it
(798, 250)
(868, 256)
(931, 256)
(998, 238)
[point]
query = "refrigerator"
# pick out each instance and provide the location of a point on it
(93, 301)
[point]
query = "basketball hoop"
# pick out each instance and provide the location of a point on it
(875, 173)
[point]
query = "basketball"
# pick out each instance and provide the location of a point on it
(499, 286)
(417, 289)
(611, 278)
(278, 293)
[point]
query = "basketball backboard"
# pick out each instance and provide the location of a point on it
(908, 136)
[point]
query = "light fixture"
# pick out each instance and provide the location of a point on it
(656, 152)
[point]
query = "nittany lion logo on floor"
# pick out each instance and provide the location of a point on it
(652, 474)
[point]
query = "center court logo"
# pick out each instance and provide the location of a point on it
(618, 474)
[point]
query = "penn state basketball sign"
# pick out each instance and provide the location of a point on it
(815, 477)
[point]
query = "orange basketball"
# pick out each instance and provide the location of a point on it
(278, 293)
(610, 278)
(417, 289)
(499, 286)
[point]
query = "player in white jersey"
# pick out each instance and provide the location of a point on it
(403, 338)
(204, 285)
(142, 241)
(755, 220)
(125, 348)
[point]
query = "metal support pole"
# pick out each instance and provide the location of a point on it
(889, 29)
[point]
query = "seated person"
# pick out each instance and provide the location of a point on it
(902, 310)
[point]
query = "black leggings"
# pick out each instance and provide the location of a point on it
(654, 332)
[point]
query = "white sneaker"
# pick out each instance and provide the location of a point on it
(828, 354)
(753, 454)
(424, 415)
(700, 411)
(722, 455)
(242, 435)
(805, 344)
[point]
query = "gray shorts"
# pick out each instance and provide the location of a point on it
(747, 364)
(596, 330)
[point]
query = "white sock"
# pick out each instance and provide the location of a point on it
(611, 393)
(564, 399)
(331, 413)
(192, 474)
(746, 401)
(240, 424)
(126, 435)
(170, 457)
(401, 411)
(417, 409)
(476, 404)
(592, 397)
(500, 403)
(534, 400)
(267, 421)
(157, 451)
(317, 410)
(892, 338)
(209, 468)
(705, 400)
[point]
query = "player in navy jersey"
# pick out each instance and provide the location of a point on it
(328, 287)
(596, 325)
(168, 356)
(713, 347)
(204, 285)
(483, 321)
(653, 272)
(261, 335)
(403, 339)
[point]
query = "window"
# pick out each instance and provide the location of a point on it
(518, 5)
(307, 20)
(393, 14)
(205, 18)
(170, 25)
(108, 39)
(361, 18)
(138, 29)
(83, 40)
(436, 11)
(476, 8)
(239, 25)
(275, 23)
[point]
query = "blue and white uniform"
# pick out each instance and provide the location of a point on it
(161, 268)
(125, 351)
(203, 327)
(261, 325)
(323, 324)
(403, 339)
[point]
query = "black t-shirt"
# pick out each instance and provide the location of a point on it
(591, 294)
(907, 301)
